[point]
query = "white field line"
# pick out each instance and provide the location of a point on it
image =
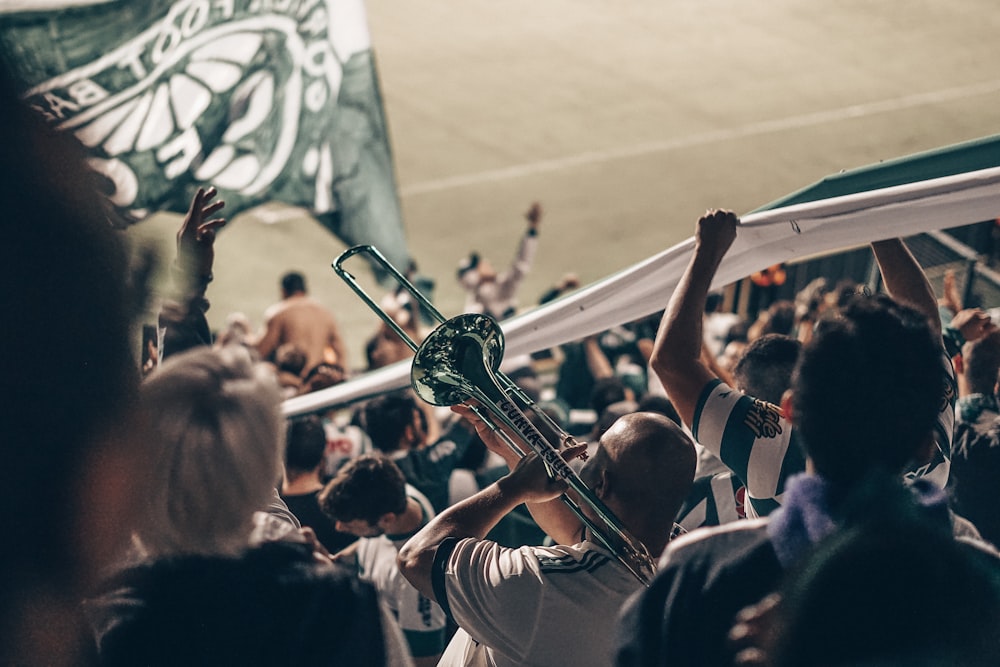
(763, 127)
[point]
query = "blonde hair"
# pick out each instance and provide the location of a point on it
(214, 449)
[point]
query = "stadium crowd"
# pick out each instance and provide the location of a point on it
(812, 487)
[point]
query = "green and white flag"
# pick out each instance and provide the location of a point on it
(268, 100)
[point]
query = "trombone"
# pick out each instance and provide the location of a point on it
(460, 360)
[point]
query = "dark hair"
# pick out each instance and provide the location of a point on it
(366, 488)
(290, 358)
(764, 370)
(982, 362)
(661, 405)
(306, 439)
(386, 418)
(868, 389)
(605, 392)
(780, 318)
(293, 282)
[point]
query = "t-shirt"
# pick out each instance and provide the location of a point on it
(305, 507)
(429, 468)
(531, 606)
(422, 621)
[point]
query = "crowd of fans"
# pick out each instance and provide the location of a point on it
(812, 487)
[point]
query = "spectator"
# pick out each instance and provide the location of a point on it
(370, 499)
(976, 449)
(70, 476)
(205, 591)
(751, 436)
(492, 293)
(854, 601)
(300, 319)
(302, 484)
(289, 362)
(866, 400)
(398, 428)
(549, 606)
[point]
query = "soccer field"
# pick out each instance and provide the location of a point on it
(626, 120)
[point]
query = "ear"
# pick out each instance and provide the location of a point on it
(786, 406)
(959, 364)
(603, 487)
(386, 520)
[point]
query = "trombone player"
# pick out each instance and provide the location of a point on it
(550, 605)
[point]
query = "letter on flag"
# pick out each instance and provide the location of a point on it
(268, 100)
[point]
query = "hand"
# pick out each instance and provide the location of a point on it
(972, 323)
(753, 632)
(196, 237)
(534, 215)
(530, 482)
(951, 298)
(490, 438)
(716, 231)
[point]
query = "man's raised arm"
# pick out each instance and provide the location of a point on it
(905, 279)
(676, 358)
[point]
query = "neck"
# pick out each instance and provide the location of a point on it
(408, 521)
(298, 482)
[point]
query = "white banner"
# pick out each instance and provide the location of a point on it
(764, 238)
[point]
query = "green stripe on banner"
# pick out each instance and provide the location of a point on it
(948, 161)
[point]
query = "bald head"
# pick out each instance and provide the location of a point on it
(643, 470)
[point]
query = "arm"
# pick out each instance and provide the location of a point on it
(476, 516)
(905, 280)
(676, 358)
(597, 361)
(553, 516)
(183, 315)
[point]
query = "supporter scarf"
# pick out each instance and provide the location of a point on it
(811, 512)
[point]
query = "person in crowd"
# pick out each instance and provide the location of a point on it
(976, 449)
(750, 435)
(205, 590)
(550, 605)
(853, 601)
(298, 318)
(717, 323)
(70, 373)
(493, 293)
(182, 321)
(866, 400)
(306, 445)
(237, 330)
(370, 499)
(289, 363)
(398, 428)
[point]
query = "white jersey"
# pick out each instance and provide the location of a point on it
(422, 621)
(531, 606)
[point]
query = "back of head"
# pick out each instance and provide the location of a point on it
(764, 371)
(607, 391)
(981, 360)
(366, 488)
(660, 404)
(651, 462)
(293, 282)
(215, 443)
(780, 319)
(290, 358)
(305, 443)
(867, 389)
(386, 419)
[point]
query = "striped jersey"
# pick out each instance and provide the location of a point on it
(759, 446)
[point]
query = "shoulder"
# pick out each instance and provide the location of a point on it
(726, 541)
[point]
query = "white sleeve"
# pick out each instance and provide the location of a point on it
(492, 593)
